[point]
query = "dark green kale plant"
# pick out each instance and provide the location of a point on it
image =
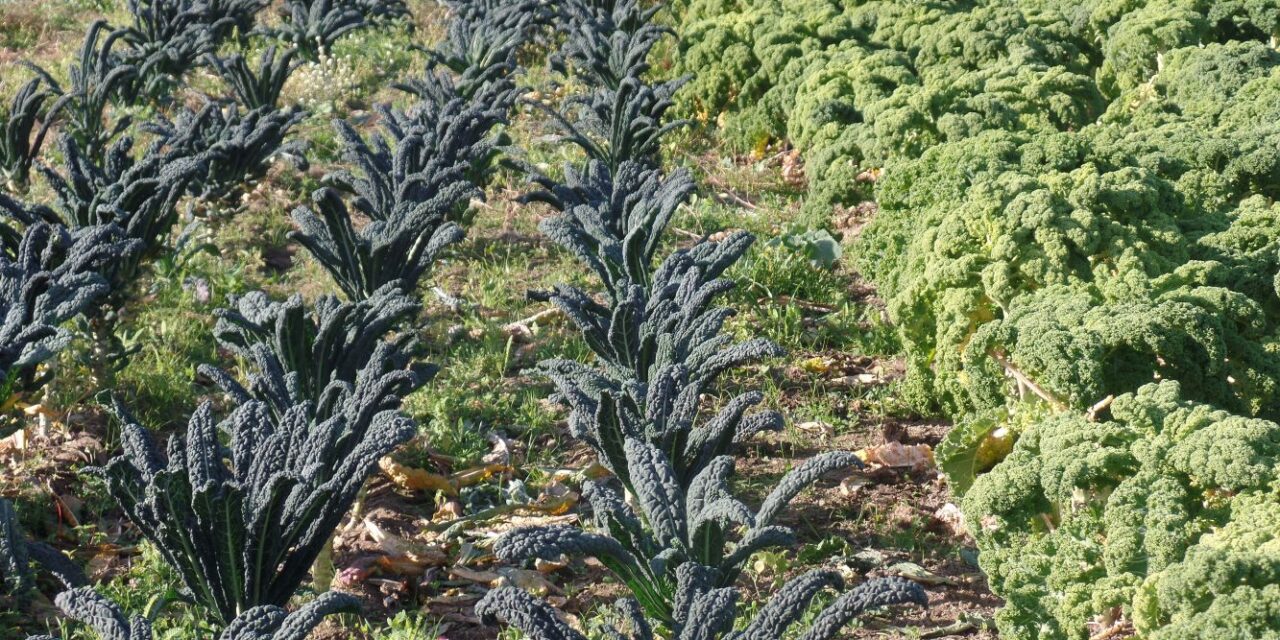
(109, 621)
(312, 26)
(18, 554)
(140, 194)
(300, 352)
(410, 184)
(169, 38)
(608, 48)
(239, 145)
(242, 523)
(98, 79)
(49, 277)
(17, 148)
(254, 90)
(710, 613)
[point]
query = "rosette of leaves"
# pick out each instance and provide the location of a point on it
(613, 221)
(608, 46)
(482, 40)
(140, 195)
(616, 125)
(313, 26)
(239, 146)
(235, 16)
(673, 523)
(52, 276)
(409, 184)
(109, 621)
(431, 137)
(17, 554)
(169, 37)
(458, 124)
(382, 10)
(17, 148)
(300, 352)
(710, 613)
(255, 90)
(98, 79)
(241, 509)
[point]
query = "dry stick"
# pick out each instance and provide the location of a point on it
(1025, 381)
(1092, 414)
(522, 326)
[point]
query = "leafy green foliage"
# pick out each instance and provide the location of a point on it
(138, 195)
(242, 525)
(18, 553)
(622, 118)
(17, 149)
(49, 277)
(169, 37)
(299, 352)
(255, 90)
(109, 622)
(409, 189)
(238, 146)
(96, 80)
(712, 613)
(1161, 511)
(1074, 199)
(657, 337)
(313, 26)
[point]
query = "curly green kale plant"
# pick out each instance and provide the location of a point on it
(1162, 513)
(17, 148)
(17, 554)
(109, 622)
(255, 90)
(98, 79)
(710, 613)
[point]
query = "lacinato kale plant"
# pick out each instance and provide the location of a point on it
(242, 508)
(168, 38)
(239, 146)
(299, 352)
(411, 183)
(622, 118)
(313, 26)
(98, 79)
(138, 194)
(235, 16)
(707, 612)
(657, 337)
(242, 523)
(51, 276)
(17, 148)
(255, 90)
(18, 554)
(482, 40)
(109, 621)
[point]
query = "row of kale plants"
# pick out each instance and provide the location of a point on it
(241, 506)
(1069, 209)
